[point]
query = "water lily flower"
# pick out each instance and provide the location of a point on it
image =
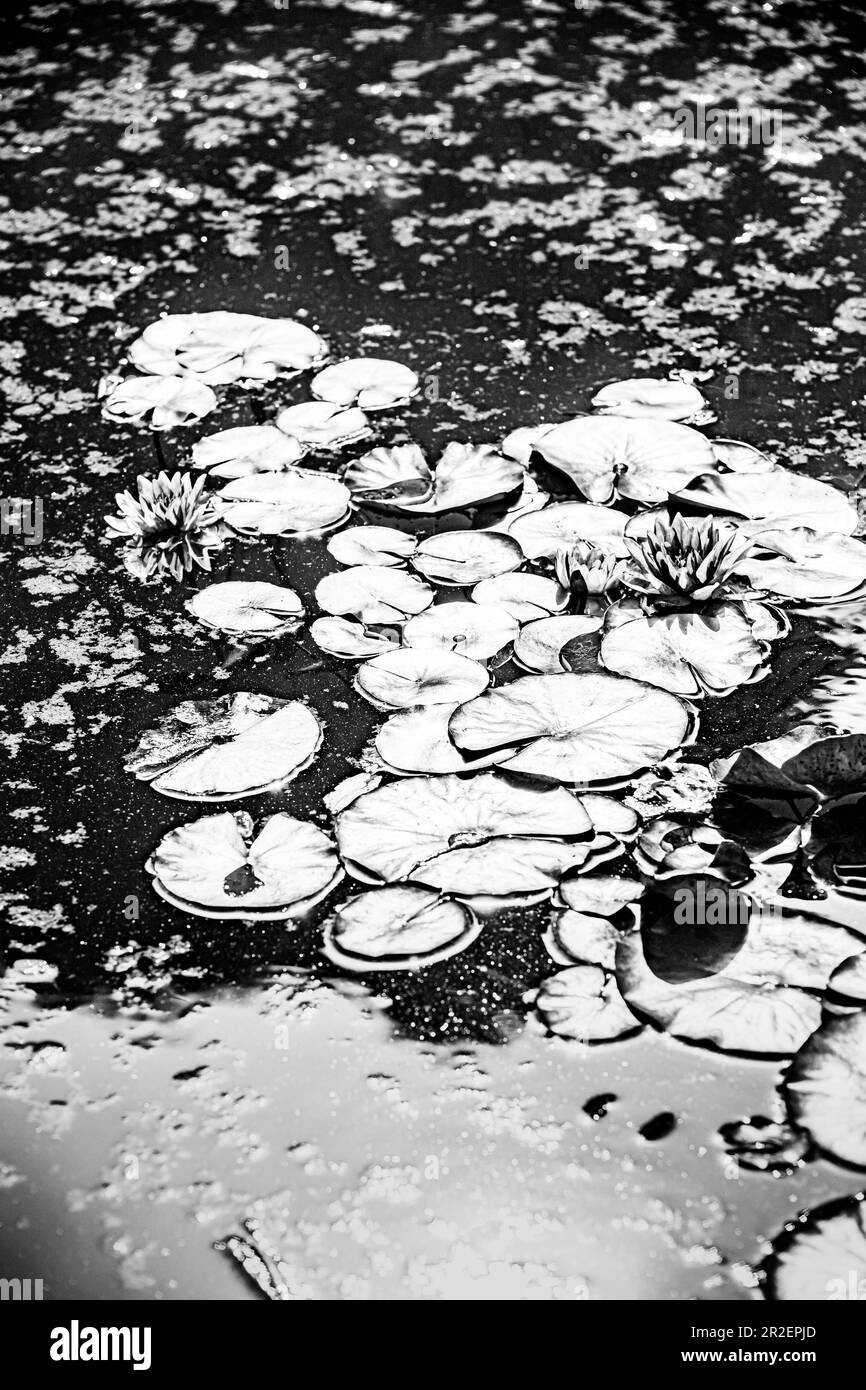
(171, 526)
(685, 562)
(587, 567)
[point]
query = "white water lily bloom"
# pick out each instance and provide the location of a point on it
(390, 478)
(322, 425)
(802, 565)
(373, 593)
(707, 652)
(542, 534)
(227, 748)
(470, 629)
(247, 608)
(642, 460)
(484, 835)
(739, 457)
(350, 641)
(540, 642)
(416, 676)
(584, 1004)
(524, 596)
(398, 928)
(371, 545)
(468, 475)
(776, 498)
(220, 347)
(581, 729)
(417, 741)
(162, 402)
(219, 867)
(373, 383)
(825, 1087)
(756, 995)
(249, 449)
(649, 398)
(285, 504)
(462, 558)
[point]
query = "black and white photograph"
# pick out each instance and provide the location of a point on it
(433, 860)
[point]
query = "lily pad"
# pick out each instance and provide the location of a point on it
(227, 748)
(371, 545)
(820, 1257)
(525, 596)
(219, 867)
(582, 938)
(481, 835)
(470, 629)
(162, 402)
(416, 740)
(390, 478)
(642, 460)
(468, 475)
(778, 496)
(398, 928)
(373, 383)
(415, 676)
(583, 1004)
(221, 347)
(373, 593)
(322, 425)
(583, 729)
(350, 641)
(463, 558)
(792, 775)
(710, 651)
(541, 534)
(649, 398)
(751, 990)
(245, 608)
(237, 453)
(540, 642)
(599, 894)
(825, 1086)
(800, 564)
(285, 504)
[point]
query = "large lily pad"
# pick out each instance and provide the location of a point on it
(416, 740)
(482, 835)
(709, 651)
(468, 475)
(220, 347)
(778, 496)
(642, 460)
(803, 565)
(821, 1257)
(227, 748)
(236, 453)
(219, 867)
(285, 504)
(583, 729)
(751, 989)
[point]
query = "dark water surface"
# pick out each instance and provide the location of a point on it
(497, 196)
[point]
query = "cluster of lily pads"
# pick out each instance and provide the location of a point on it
(540, 662)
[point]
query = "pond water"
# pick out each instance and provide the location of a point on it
(498, 197)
